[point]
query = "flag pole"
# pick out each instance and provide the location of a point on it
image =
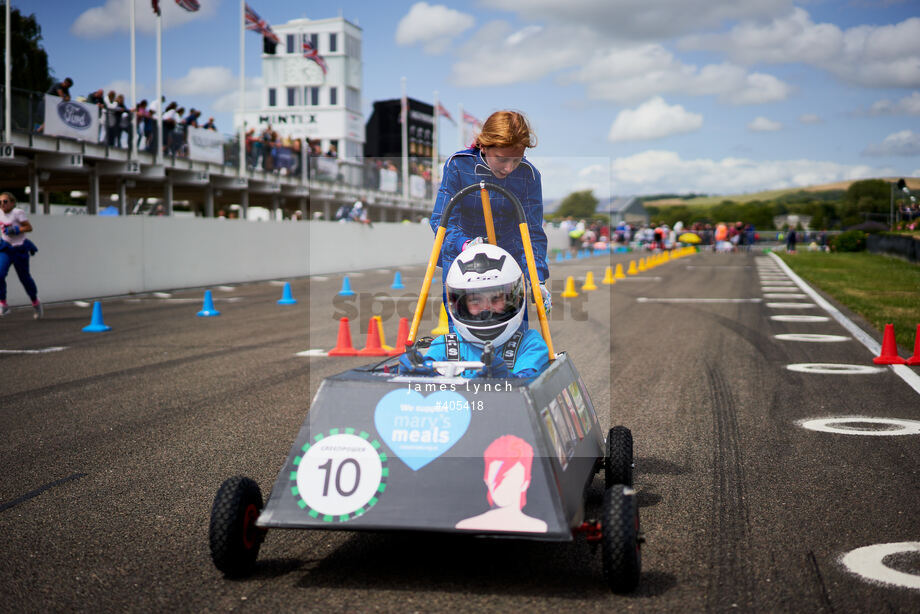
(158, 154)
(242, 88)
(7, 94)
(404, 110)
(434, 144)
(461, 125)
(132, 138)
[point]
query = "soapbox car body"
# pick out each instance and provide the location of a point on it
(487, 457)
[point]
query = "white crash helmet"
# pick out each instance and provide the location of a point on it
(491, 277)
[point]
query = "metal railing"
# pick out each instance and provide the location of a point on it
(280, 157)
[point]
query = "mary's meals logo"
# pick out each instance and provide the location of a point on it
(74, 115)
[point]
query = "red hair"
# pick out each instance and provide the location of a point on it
(509, 450)
(506, 129)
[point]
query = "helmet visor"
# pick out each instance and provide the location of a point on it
(486, 306)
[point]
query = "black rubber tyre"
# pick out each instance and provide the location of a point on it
(233, 534)
(620, 541)
(618, 464)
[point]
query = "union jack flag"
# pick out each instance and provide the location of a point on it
(257, 24)
(443, 111)
(189, 5)
(310, 52)
(471, 119)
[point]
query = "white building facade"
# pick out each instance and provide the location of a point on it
(299, 101)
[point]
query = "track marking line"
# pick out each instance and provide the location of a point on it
(811, 337)
(716, 266)
(640, 279)
(319, 278)
(790, 305)
(312, 353)
(826, 425)
(226, 288)
(784, 295)
(81, 304)
(797, 318)
(830, 368)
(162, 294)
(905, 373)
(868, 562)
(229, 299)
(645, 299)
(39, 351)
(276, 282)
(789, 288)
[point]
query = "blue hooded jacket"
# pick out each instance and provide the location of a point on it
(466, 222)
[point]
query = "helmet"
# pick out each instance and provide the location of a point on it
(485, 294)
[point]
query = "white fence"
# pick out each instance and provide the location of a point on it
(82, 257)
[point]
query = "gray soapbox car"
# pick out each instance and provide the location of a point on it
(486, 457)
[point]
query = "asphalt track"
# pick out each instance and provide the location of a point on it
(113, 447)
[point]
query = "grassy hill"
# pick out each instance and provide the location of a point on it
(913, 183)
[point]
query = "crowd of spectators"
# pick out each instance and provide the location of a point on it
(115, 119)
(265, 148)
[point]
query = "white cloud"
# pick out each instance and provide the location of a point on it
(903, 143)
(628, 74)
(113, 17)
(653, 119)
(909, 105)
(657, 171)
(206, 80)
(810, 118)
(433, 26)
(762, 124)
(499, 55)
(229, 102)
(641, 19)
(870, 56)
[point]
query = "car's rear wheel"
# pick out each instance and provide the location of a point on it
(620, 539)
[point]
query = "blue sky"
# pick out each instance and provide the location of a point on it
(626, 96)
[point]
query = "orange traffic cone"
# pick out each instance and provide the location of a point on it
(373, 341)
(401, 337)
(343, 345)
(915, 359)
(889, 355)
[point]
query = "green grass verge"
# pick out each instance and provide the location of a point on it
(882, 289)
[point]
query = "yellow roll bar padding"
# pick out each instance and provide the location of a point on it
(535, 289)
(487, 213)
(426, 284)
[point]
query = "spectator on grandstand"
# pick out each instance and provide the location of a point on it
(145, 126)
(117, 120)
(62, 88)
(210, 125)
(170, 117)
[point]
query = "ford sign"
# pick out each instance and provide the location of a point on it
(74, 115)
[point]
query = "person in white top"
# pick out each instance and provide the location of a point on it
(15, 251)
